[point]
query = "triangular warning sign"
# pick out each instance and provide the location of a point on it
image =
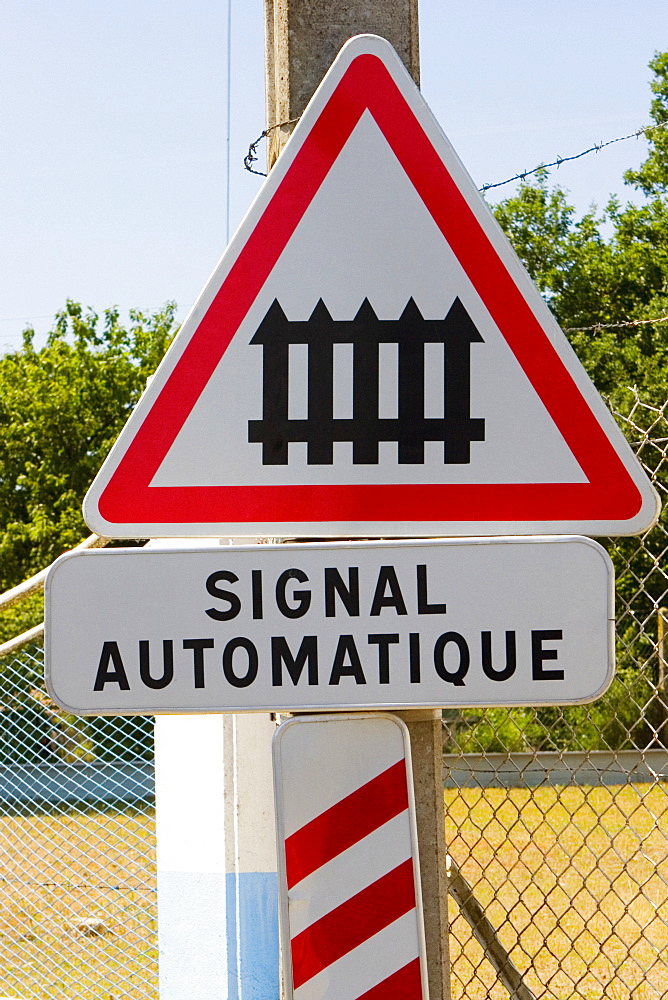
(369, 358)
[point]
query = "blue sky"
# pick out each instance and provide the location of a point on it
(113, 173)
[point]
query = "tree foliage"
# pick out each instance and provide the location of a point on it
(604, 275)
(652, 177)
(591, 279)
(61, 408)
(609, 266)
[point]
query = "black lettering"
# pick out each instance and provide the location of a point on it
(387, 577)
(256, 592)
(511, 656)
(223, 595)
(303, 597)
(383, 642)
(350, 594)
(346, 647)
(457, 676)
(167, 664)
(280, 654)
(198, 646)
(228, 662)
(111, 654)
(424, 607)
(538, 654)
(414, 656)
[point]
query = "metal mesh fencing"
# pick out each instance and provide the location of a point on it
(556, 824)
(77, 844)
(557, 818)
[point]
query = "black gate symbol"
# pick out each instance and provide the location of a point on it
(366, 429)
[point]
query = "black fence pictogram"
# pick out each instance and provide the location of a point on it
(366, 429)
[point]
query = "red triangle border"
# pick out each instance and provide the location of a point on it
(610, 493)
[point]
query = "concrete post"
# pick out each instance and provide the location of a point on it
(425, 729)
(304, 36)
(302, 39)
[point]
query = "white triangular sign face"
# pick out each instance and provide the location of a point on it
(370, 358)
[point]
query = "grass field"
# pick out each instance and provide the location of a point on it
(57, 871)
(576, 882)
(574, 879)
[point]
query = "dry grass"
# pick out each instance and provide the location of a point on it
(576, 882)
(57, 871)
(574, 879)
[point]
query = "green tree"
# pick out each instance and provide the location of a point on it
(609, 266)
(61, 408)
(590, 280)
(652, 176)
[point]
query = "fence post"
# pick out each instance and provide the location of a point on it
(662, 673)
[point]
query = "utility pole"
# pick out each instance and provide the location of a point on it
(304, 36)
(302, 39)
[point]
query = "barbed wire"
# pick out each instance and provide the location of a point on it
(596, 148)
(250, 158)
(615, 326)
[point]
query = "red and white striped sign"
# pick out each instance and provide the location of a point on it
(351, 911)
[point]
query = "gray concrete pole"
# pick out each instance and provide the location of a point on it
(304, 36)
(426, 734)
(302, 39)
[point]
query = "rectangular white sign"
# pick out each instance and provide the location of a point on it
(347, 625)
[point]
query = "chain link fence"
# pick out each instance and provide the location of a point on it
(77, 847)
(557, 818)
(557, 824)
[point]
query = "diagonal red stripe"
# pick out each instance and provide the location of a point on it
(405, 984)
(352, 923)
(341, 826)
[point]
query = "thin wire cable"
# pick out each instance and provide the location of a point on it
(24, 319)
(251, 156)
(615, 326)
(596, 148)
(228, 121)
